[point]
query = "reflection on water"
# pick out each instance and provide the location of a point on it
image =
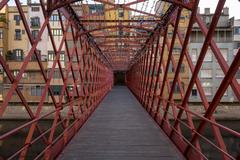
(14, 143)
(232, 142)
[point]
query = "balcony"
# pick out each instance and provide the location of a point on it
(26, 91)
(56, 81)
(35, 22)
(35, 25)
(50, 64)
(32, 65)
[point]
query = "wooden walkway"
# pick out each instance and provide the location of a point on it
(120, 129)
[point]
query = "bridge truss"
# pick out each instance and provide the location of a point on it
(99, 46)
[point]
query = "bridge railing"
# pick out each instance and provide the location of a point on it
(48, 101)
(159, 81)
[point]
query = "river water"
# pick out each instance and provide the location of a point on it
(14, 143)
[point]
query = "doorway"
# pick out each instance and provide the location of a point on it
(119, 78)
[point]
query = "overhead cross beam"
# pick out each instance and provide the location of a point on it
(69, 13)
(112, 8)
(87, 21)
(117, 26)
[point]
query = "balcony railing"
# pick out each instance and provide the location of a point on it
(16, 65)
(35, 24)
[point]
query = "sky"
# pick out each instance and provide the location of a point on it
(234, 5)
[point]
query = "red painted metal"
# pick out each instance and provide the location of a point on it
(159, 106)
(91, 59)
(117, 26)
(94, 77)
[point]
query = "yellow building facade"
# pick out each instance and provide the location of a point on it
(115, 14)
(17, 36)
(3, 42)
(184, 72)
(18, 48)
(114, 17)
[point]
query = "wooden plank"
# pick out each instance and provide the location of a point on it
(120, 129)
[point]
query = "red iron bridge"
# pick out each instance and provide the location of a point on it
(91, 117)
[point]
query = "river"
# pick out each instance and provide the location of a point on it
(13, 143)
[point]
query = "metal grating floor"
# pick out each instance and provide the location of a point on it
(120, 129)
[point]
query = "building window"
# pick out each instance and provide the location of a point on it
(35, 33)
(208, 56)
(207, 87)
(221, 36)
(35, 9)
(182, 69)
(62, 56)
(194, 55)
(54, 17)
(193, 37)
(237, 30)
(18, 54)
(224, 53)
(20, 87)
(229, 36)
(194, 92)
(170, 68)
(177, 88)
(56, 32)
(93, 8)
(17, 19)
(36, 90)
(182, 19)
(18, 35)
(219, 73)
(34, 58)
(56, 89)
(177, 50)
(121, 13)
(206, 73)
(35, 22)
(15, 73)
(1, 34)
(51, 56)
(56, 74)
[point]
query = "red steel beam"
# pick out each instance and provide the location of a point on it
(87, 21)
(93, 73)
(116, 26)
